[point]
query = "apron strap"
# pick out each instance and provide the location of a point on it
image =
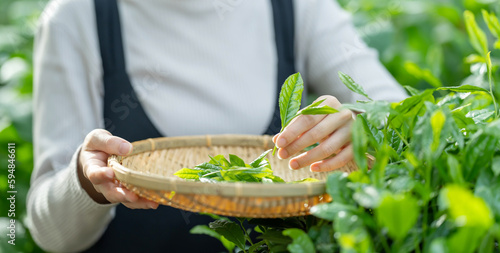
(167, 228)
(284, 34)
(124, 115)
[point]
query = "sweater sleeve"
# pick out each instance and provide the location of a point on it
(327, 42)
(61, 215)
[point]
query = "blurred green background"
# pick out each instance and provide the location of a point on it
(422, 43)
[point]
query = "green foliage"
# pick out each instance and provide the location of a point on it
(17, 22)
(301, 242)
(434, 182)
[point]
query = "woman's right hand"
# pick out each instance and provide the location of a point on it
(97, 179)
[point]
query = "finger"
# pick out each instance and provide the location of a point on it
(303, 123)
(328, 147)
(275, 137)
(297, 127)
(142, 203)
(102, 140)
(97, 173)
(336, 162)
(115, 193)
(317, 133)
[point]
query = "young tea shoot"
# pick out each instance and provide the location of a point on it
(220, 169)
(290, 99)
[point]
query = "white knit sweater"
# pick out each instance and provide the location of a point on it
(199, 67)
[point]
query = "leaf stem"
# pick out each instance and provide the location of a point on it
(490, 81)
(246, 232)
(401, 137)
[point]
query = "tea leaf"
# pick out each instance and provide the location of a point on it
(230, 230)
(455, 170)
(463, 88)
(336, 187)
(290, 98)
(187, 173)
(359, 142)
(328, 211)
(492, 22)
(257, 162)
(219, 160)
(301, 242)
(305, 180)
(236, 161)
(324, 109)
(487, 188)
(495, 167)
(478, 153)
(353, 86)
(476, 35)
(437, 122)
(412, 91)
(398, 213)
(208, 166)
(255, 248)
(423, 74)
(465, 209)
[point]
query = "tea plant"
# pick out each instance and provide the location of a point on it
(434, 184)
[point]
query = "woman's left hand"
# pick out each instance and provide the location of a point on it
(332, 132)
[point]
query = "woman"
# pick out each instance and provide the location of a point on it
(171, 68)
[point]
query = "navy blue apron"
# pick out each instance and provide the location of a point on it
(165, 229)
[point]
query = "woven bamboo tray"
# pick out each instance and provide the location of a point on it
(148, 171)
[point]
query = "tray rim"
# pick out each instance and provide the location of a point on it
(226, 189)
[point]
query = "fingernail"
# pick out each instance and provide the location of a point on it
(152, 206)
(110, 174)
(282, 154)
(314, 169)
(125, 148)
(281, 142)
(294, 165)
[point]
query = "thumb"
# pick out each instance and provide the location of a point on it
(102, 140)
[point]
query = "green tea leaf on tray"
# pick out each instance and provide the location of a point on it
(236, 161)
(352, 85)
(208, 166)
(305, 180)
(230, 230)
(257, 162)
(219, 160)
(290, 98)
(187, 173)
(275, 179)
